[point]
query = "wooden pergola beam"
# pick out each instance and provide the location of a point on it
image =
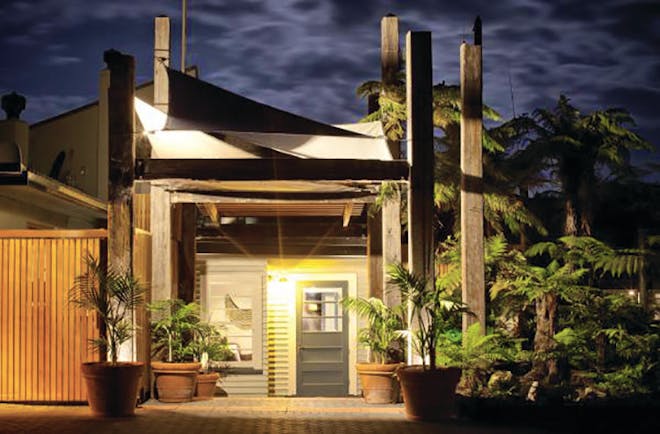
(285, 228)
(273, 169)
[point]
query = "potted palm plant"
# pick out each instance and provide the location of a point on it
(429, 390)
(112, 386)
(208, 346)
(383, 338)
(173, 329)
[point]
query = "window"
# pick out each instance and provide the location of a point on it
(233, 303)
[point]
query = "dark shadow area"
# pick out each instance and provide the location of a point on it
(207, 420)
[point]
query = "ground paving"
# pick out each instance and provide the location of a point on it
(237, 416)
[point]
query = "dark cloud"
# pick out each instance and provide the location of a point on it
(514, 35)
(309, 56)
(642, 102)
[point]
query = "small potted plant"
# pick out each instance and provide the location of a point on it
(112, 386)
(429, 390)
(385, 342)
(173, 329)
(208, 346)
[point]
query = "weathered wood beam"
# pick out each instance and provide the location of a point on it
(273, 197)
(390, 60)
(346, 214)
(186, 252)
(472, 206)
(121, 169)
(121, 93)
(284, 228)
(161, 245)
(375, 254)
(420, 154)
(275, 248)
(275, 169)
(162, 55)
(391, 242)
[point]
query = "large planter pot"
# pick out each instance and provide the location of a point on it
(379, 383)
(429, 395)
(175, 382)
(112, 389)
(206, 386)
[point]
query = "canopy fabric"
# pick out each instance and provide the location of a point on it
(205, 121)
(197, 105)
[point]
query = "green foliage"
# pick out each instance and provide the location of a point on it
(477, 354)
(383, 332)
(113, 295)
(208, 340)
(173, 329)
(433, 310)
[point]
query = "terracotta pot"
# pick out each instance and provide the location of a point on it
(175, 382)
(112, 389)
(429, 395)
(206, 386)
(378, 381)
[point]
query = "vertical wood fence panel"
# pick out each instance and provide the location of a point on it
(44, 339)
(142, 271)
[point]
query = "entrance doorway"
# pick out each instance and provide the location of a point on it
(322, 338)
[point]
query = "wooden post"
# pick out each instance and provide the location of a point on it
(390, 61)
(102, 137)
(161, 213)
(375, 255)
(161, 246)
(162, 55)
(420, 154)
(391, 241)
(121, 167)
(472, 204)
(186, 252)
(122, 159)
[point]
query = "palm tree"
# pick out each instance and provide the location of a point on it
(578, 150)
(502, 208)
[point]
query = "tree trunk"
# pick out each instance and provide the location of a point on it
(546, 368)
(586, 197)
(571, 222)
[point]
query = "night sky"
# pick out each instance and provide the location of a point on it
(309, 56)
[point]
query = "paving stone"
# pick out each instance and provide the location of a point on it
(236, 416)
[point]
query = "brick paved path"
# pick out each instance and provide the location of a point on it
(236, 416)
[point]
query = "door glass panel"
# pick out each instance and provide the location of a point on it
(321, 311)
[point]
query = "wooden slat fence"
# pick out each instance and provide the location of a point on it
(44, 339)
(142, 271)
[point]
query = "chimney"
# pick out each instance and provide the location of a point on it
(14, 135)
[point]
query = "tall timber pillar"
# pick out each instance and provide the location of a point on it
(390, 61)
(162, 253)
(472, 202)
(420, 154)
(121, 169)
